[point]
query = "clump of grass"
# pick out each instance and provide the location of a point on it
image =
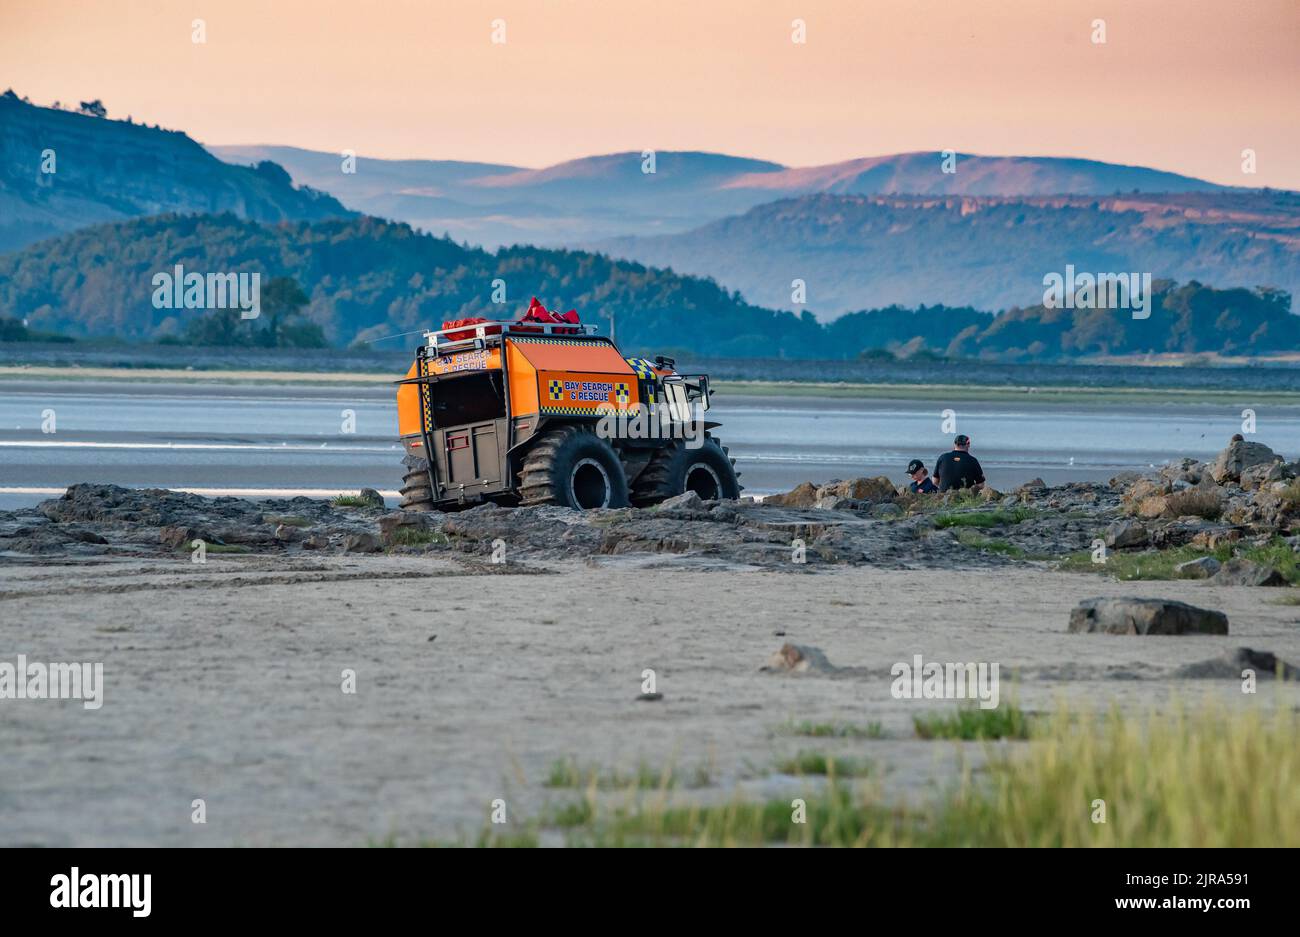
(576, 814)
(816, 763)
(949, 501)
(288, 520)
(972, 723)
(969, 538)
(1291, 494)
(1278, 554)
(415, 536)
(834, 730)
(1000, 517)
(1209, 779)
(1161, 564)
(1148, 564)
(963, 498)
(1196, 502)
(835, 817)
(567, 773)
(349, 501)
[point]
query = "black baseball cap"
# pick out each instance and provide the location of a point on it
(914, 466)
(962, 440)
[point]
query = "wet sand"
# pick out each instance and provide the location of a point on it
(223, 682)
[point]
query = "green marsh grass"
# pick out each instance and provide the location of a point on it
(971, 723)
(1209, 777)
(1128, 566)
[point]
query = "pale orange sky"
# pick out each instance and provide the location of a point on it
(1183, 85)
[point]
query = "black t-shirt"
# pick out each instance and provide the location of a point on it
(957, 469)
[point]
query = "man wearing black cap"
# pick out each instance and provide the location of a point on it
(958, 468)
(922, 483)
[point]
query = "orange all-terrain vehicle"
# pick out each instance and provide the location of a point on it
(545, 411)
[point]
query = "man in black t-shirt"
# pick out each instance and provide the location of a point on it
(958, 468)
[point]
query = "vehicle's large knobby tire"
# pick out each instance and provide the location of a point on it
(416, 494)
(708, 471)
(573, 467)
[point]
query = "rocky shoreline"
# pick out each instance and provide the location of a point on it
(1248, 498)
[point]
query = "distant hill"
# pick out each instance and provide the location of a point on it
(922, 174)
(368, 278)
(856, 252)
(112, 169)
(491, 205)
(584, 201)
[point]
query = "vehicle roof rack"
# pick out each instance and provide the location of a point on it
(440, 343)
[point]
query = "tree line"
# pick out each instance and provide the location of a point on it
(357, 280)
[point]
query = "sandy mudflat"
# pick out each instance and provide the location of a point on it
(223, 682)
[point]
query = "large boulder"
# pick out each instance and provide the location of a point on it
(686, 501)
(801, 496)
(1211, 538)
(1154, 507)
(361, 543)
(1124, 534)
(1258, 476)
(1142, 490)
(180, 536)
(876, 489)
(1184, 471)
(1247, 573)
(1124, 480)
(1200, 568)
(1145, 616)
(848, 494)
(1238, 457)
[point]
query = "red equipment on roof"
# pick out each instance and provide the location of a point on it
(536, 313)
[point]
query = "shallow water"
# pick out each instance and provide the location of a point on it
(236, 438)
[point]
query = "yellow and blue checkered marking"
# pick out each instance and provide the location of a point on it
(426, 406)
(550, 410)
(621, 393)
(556, 390)
(644, 369)
(547, 340)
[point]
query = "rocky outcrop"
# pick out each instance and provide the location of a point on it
(1237, 662)
(1241, 572)
(1145, 617)
(848, 522)
(851, 494)
(1126, 534)
(1201, 568)
(801, 496)
(1239, 457)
